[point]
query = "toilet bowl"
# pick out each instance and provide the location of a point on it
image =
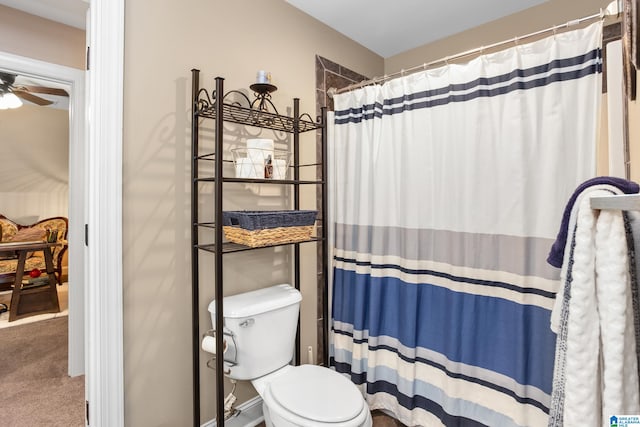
(311, 396)
(259, 338)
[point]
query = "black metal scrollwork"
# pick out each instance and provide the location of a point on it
(203, 101)
(261, 112)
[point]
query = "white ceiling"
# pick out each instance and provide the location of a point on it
(385, 27)
(394, 26)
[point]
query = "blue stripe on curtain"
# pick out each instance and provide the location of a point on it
(418, 401)
(361, 378)
(426, 397)
(491, 333)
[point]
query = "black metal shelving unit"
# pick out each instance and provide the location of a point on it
(220, 107)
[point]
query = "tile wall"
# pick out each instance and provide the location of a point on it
(328, 75)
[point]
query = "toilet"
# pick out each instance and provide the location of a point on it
(259, 335)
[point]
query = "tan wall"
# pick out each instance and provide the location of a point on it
(34, 148)
(35, 172)
(232, 39)
(545, 15)
(34, 37)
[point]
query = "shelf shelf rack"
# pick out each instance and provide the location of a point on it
(224, 107)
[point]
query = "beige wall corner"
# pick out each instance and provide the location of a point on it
(545, 15)
(602, 149)
(634, 139)
(34, 179)
(38, 38)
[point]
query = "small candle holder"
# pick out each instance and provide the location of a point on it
(262, 89)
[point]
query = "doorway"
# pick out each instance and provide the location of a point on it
(100, 208)
(72, 80)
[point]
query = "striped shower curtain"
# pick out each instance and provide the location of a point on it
(449, 190)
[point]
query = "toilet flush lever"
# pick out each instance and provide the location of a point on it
(247, 323)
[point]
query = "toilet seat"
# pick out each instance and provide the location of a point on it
(311, 396)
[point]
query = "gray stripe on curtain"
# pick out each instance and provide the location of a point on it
(513, 254)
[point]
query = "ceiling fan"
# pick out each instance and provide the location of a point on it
(26, 92)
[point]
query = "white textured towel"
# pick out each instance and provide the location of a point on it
(259, 149)
(246, 168)
(596, 373)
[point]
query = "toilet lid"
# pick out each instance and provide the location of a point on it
(318, 394)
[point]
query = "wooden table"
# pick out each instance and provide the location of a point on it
(37, 300)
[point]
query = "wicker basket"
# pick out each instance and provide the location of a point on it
(264, 228)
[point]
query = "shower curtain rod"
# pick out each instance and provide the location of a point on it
(610, 11)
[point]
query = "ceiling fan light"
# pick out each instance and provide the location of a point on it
(9, 100)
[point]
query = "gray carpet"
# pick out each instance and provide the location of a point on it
(35, 389)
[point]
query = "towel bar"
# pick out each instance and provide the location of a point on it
(625, 202)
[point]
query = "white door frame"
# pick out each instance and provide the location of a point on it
(95, 135)
(104, 326)
(73, 80)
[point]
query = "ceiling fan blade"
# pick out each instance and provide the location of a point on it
(45, 90)
(7, 78)
(32, 98)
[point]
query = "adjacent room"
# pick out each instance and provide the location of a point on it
(34, 127)
(42, 362)
(300, 213)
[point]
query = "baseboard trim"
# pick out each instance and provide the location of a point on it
(250, 415)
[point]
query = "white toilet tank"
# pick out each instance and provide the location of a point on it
(263, 325)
